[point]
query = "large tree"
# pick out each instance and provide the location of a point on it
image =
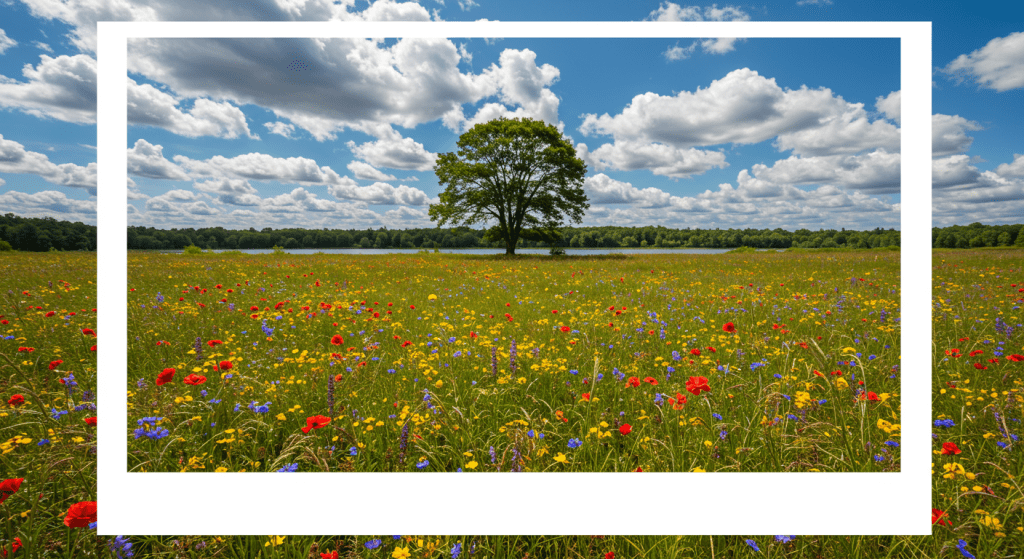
(521, 175)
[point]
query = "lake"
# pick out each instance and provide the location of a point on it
(569, 251)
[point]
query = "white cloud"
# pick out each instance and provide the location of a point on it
(14, 158)
(180, 203)
(48, 203)
(1015, 169)
(999, 65)
(661, 159)
(877, 172)
(380, 193)
(236, 192)
(147, 160)
(890, 105)
(280, 128)
(677, 52)
(395, 153)
(5, 41)
(954, 171)
(949, 134)
(259, 166)
(670, 11)
(602, 189)
(43, 46)
(63, 88)
(365, 171)
(148, 106)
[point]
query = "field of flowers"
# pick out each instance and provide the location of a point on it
(430, 362)
(47, 456)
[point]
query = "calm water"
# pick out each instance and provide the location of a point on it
(574, 251)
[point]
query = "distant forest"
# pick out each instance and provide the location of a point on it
(42, 234)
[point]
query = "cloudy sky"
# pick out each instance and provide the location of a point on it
(343, 133)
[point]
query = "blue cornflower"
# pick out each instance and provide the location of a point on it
(716, 416)
(423, 464)
(753, 544)
(573, 372)
(962, 546)
(456, 550)
(290, 468)
(122, 547)
(372, 544)
(784, 539)
(353, 451)
(879, 458)
(42, 442)
(529, 433)
(574, 443)
(893, 444)
(948, 423)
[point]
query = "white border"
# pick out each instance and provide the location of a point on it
(541, 503)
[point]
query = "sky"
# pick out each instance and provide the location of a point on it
(343, 133)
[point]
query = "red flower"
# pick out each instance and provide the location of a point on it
(413, 307)
(696, 385)
(695, 352)
(950, 448)
(937, 518)
(566, 328)
(55, 364)
(337, 339)
(1015, 357)
(49, 314)
(611, 554)
(315, 422)
(678, 402)
(9, 487)
(975, 352)
(15, 546)
(586, 396)
(167, 375)
(212, 343)
(26, 349)
(651, 380)
(872, 396)
(16, 400)
(633, 381)
(331, 555)
(88, 332)
(979, 366)
(729, 327)
(80, 515)
(473, 335)
(406, 343)
(194, 380)
(625, 429)
(337, 377)
(90, 421)
(225, 365)
(93, 348)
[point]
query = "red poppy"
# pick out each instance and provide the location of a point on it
(331, 555)
(651, 380)
(413, 307)
(611, 554)
(980, 367)
(695, 352)
(49, 314)
(633, 381)
(729, 327)
(55, 364)
(937, 518)
(566, 328)
(1015, 357)
(225, 365)
(88, 332)
(93, 348)
(872, 396)
(678, 402)
(194, 380)
(950, 448)
(473, 335)
(9, 487)
(91, 421)
(15, 546)
(586, 396)
(16, 400)
(167, 375)
(625, 429)
(975, 352)
(212, 343)
(26, 349)
(80, 515)
(315, 422)
(696, 385)
(337, 339)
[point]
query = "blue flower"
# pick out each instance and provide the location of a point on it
(784, 539)
(574, 443)
(372, 544)
(42, 442)
(962, 546)
(947, 423)
(753, 544)
(423, 464)
(456, 550)
(290, 468)
(716, 416)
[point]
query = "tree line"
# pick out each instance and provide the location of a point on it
(40, 234)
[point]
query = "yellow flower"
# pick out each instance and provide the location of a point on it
(400, 553)
(275, 541)
(221, 469)
(472, 465)
(561, 458)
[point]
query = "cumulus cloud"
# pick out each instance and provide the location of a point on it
(179, 203)
(6, 42)
(147, 160)
(280, 128)
(877, 172)
(148, 106)
(259, 166)
(949, 134)
(661, 159)
(999, 65)
(991, 198)
(48, 203)
(14, 158)
(954, 171)
(62, 88)
(236, 192)
(746, 108)
(365, 171)
(395, 153)
(380, 193)
(890, 105)
(670, 11)
(1015, 169)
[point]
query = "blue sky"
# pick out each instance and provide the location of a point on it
(784, 133)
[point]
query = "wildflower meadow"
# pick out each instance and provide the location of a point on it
(48, 380)
(430, 362)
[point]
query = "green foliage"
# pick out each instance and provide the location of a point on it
(520, 174)
(193, 249)
(33, 234)
(742, 250)
(5, 246)
(277, 249)
(557, 251)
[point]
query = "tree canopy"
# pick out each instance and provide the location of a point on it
(521, 175)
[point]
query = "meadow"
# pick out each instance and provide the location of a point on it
(47, 458)
(430, 362)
